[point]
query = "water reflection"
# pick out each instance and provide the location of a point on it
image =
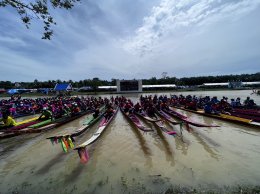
(146, 150)
(201, 141)
(54, 161)
(74, 174)
(167, 148)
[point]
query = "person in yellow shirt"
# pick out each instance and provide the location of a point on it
(8, 121)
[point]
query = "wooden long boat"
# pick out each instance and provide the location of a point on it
(161, 125)
(146, 117)
(229, 118)
(21, 125)
(246, 116)
(252, 112)
(82, 150)
(89, 121)
(101, 128)
(168, 117)
(186, 119)
(135, 120)
(56, 123)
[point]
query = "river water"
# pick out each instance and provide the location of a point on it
(126, 160)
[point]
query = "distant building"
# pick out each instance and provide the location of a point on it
(129, 86)
(251, 84)
(235, 84)
(159, 87)
(232, 85)
(215, 85)
(107, 88)
(84, 89)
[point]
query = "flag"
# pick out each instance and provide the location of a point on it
(83, 154)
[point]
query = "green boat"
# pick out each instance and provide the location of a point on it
(89, 121)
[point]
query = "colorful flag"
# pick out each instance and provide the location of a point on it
(63, 146)
(70, 143)
(83, 154)
(171, 133)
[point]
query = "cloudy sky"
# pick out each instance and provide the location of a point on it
(126, 39)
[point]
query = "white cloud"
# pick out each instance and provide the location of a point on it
(172, 15)
(106, 38)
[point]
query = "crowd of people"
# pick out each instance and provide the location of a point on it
(147, 104)
(50, 108)
(211, 104)
(57, 107)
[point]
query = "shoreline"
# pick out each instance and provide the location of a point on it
(74, 93)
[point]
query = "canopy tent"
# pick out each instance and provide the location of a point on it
(63, 87)
(13, 91)
(43, 90)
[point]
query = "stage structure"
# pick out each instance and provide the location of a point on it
(129, 86)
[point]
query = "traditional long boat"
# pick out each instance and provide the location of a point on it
(251, 114)
(161, 125)
(146, 117)
(67, 139)
(20, 125)
(225, 117)
(167, 117)
(246, 116)
(102, 126)
(186, 119)
(89, 121)
(56, 123)
(135, 120)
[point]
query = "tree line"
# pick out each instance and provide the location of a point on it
(95, 82)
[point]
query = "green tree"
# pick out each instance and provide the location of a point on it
(39, 9)
(113, 82)
(95, 83)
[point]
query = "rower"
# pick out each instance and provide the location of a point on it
(96, 112)
(127, 107)
(207, 108)
(246, 102)
(137, 107)
(109, 112)
(150, 111)
(164, 106)
(46, 114)
(7, 120)
(238, 103)
(233, 103)
(75, 109)
(66, 109)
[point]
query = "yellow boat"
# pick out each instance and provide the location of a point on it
(27, 120)
(225, 117)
